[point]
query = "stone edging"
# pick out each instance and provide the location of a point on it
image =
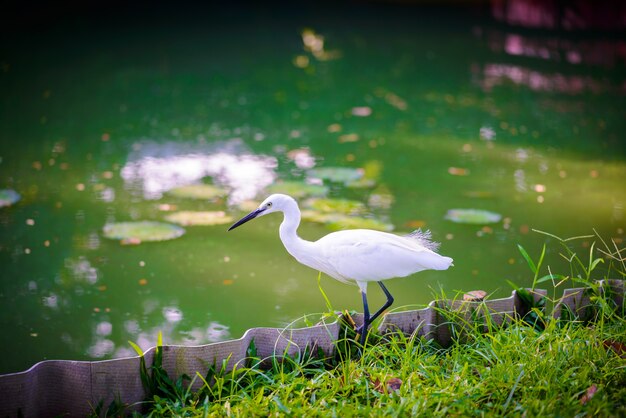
(73, 388)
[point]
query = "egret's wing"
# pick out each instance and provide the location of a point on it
(365, 255)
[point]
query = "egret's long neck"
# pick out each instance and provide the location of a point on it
(296, 246)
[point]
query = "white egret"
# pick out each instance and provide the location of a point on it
(356, 255)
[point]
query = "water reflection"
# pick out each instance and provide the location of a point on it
(171, 327)
(314, 44)
(154, 168)
(101, 347)
(81, 270)
(172, 314)
(51, 301)
(499, 74)
(104, 328)
(551, 31)
(302, 158)
(487, 133)
(568, 15)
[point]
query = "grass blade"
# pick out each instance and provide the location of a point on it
(319, 286)
(529, 260)
(136, 348)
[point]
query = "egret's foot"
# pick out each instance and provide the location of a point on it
(360, 335)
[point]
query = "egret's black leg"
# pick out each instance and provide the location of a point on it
(386, 305)
(366, 320)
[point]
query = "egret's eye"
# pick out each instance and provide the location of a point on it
(269, 204)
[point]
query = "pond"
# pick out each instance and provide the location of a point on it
(429, 110)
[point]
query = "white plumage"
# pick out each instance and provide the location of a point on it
(354, 256)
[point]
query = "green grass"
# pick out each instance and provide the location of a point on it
(533, 366)
(516, 371)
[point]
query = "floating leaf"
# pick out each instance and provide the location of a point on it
(339, 206)
(353, 222)
(205, 218)
(372, 169)
(416, 223)
(298, 189)
(314, 216)
(137, 232)
(352, 137)
(130, 241)
(338, 221)
(371, 172)
(8, 197)
(456, 171)
(248, 205)
(335, 127)
(337, 174)
(362, 183)
(166, 207)
(472, 216)
(362, 111)
(381, 198)
(198, 191)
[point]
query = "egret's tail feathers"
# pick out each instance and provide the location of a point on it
(424, 238)
(446, 263)
(433, 261)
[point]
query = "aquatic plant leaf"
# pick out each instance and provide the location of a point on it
(472, 216)
(362, 183)
(248, 205)
(339, 206)
(8, 197)
(337, 174)
(198, 191)
(298, 189)
(315, 216)
(142, 231)
(354, 222)
(205, 218)
(339, 221)
(372, 169)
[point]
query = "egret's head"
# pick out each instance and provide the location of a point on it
(274, 203)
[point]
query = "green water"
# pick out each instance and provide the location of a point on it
(98, 123)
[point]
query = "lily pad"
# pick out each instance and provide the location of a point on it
(204, 218)
(336, 222)
(338, 206)
(473, 216)
(198, 191)
(337, 174)
(248, 205)
(141, 231)
(8, 197)
(354, 222)
(362, 183)
(319, 217)
(297, 189)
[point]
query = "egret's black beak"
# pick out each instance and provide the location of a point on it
(247, 218)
